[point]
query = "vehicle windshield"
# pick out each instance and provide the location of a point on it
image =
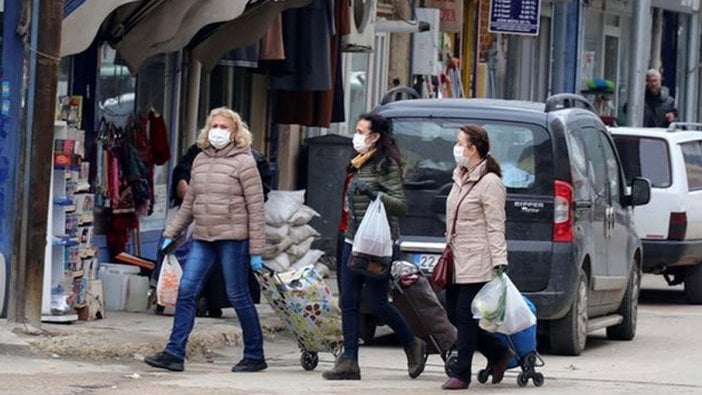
(427, 147)
(645, 157)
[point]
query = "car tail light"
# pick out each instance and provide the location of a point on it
(562, 212)
(677, 226)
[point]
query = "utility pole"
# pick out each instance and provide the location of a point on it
(36, 163)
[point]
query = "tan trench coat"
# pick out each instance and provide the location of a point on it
(479, 242)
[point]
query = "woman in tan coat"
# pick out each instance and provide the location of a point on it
(225, 199)
(479, 248)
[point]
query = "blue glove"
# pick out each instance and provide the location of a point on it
(167, 241)
(256, 263)
(363, 188)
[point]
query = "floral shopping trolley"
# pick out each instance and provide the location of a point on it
(305, 303)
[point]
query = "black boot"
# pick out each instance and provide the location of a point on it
(344, 369)
(164, 360)
(416, 357)
(250, 365)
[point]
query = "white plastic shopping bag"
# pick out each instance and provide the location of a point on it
(500, 307)
(169, 281)
(373, 235)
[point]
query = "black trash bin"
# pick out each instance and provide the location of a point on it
(326, 160)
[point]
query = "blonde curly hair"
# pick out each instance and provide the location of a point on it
(242, 136)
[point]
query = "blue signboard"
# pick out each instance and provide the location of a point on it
(515, 17)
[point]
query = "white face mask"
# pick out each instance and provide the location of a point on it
(359, 143)
(458, 155)
(219, 138)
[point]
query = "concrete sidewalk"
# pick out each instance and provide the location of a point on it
(122, 335)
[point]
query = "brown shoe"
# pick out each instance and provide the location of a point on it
(455, 384)
(498, 369)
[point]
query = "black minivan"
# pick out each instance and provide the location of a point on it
(572, 245)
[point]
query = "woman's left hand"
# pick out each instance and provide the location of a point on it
(256, 263)
(363, 188)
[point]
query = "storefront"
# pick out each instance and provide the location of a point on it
(605, 49)
(675, 51)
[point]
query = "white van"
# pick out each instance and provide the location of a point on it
(670, 225)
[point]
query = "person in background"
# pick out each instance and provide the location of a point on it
(374, 172)
(225, 200)
(659, 106)
(479, 249)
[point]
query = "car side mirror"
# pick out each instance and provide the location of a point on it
(640, 191)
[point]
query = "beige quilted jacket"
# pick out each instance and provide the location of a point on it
(225, 199)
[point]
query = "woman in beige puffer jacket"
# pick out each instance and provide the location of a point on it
(479, 249)
(225, 199)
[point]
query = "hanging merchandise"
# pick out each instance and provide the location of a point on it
(124, 180)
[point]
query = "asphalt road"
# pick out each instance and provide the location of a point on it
(664, 358)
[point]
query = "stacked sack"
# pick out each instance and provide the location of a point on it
(289, 236)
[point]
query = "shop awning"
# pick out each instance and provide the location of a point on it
(242, 31)
(82, 20)
(139, 29)
(170, 27)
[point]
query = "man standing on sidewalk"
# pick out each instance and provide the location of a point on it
(659, 108)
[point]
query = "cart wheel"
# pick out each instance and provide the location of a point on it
(309, 360)
(538, 379)
(450, 365)
(522, 380)
(483, 375)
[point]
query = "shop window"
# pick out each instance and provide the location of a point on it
(150, 94)
(151, 81)
(358, 87)
(116, 88)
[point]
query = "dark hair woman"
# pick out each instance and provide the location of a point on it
(374, 172)
(477, 198)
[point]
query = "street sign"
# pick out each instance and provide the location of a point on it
(515, 17)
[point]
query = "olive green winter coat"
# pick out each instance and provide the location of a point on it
(388, 185)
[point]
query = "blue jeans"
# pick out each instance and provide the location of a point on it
(234, 257)
(377, 291)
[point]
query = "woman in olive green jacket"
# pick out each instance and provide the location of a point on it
(374, 172)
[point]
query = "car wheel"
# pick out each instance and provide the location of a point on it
(693, 284)
(366, 327)
(628, 309)
(569, 334)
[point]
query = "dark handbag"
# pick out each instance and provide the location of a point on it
(370, 266)
(442, 275)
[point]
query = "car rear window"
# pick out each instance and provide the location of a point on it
(645, 157)
(521, 149)
(692, 154)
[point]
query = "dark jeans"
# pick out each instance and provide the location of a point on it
(459, 297)
(377, 292)
(234, 257)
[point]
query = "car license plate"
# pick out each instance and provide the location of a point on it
(426, 262)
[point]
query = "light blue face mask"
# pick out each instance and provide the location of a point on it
(219, 137)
